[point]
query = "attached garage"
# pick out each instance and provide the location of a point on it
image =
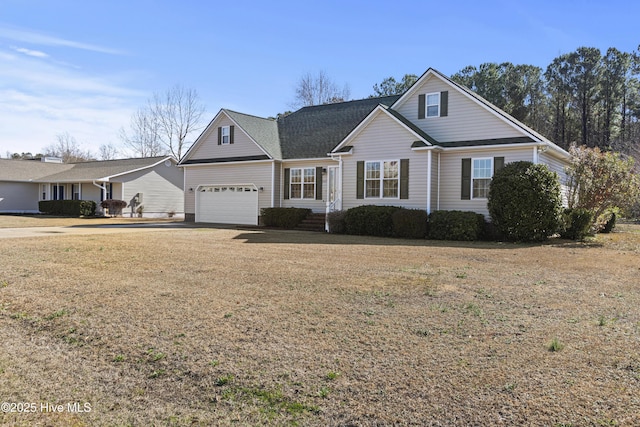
(227, 204)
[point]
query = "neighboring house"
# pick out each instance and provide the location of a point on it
(435, 147)
(153, 183)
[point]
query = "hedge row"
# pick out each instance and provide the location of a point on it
(68, 207)
(283, 217)
(394, 221)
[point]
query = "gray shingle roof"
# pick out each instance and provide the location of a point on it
(32, 170)
(312, 132)
(263, 131)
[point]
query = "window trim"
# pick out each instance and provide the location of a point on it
(473, 169)
(427, 105)
(223, 135)
(302, 183)
(381, 179)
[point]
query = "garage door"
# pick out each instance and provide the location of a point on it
(227, 204)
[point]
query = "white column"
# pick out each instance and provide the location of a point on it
(428, 182)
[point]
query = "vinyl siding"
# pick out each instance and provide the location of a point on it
(318, 206)
(384, 139)
(451, 176)
(466, 120)
(161, 188)
(258, 174)
(558, 166)
(208, 147)
(434, 181)
(19, 197)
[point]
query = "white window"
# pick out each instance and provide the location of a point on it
(302, 183)
(75, 191)
(433, 105)
(481, 173)
(382, 179)
(225, 134)
(44, 191)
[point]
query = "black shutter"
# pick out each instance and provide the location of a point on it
(231, 134)
(360, 180)
(421, 105)
(287, 175)
(466, 179)
(404, 178)
(319, 183)
(498, 163)
(444, 103)
(219, 135)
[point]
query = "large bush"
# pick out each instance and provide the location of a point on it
(455, 225)
(370, 220)
(283, 217)
(524, 201)
(410, 223)
(335, 220)
(115, 206)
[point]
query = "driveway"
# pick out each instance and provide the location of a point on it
(11, 233)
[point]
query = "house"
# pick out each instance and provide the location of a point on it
(154, 184)
(435, 147)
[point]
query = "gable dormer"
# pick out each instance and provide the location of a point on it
(449, 113)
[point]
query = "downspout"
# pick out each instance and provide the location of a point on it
(428, 182)
(535, 155)
(438, 195)
(273, 184)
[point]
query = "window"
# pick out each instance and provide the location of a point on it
(481, 173)
(75, 191)
(303, 183)
(58, 192)
(225, 135)
(44, 191)
(382, 179)
(433, 105)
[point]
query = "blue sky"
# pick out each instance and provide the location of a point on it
(84, 67)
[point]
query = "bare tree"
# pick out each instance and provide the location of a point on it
(164, 124)
(143, 138)
(68, 149)
(318, 90)
(179, 113)
(108, 152)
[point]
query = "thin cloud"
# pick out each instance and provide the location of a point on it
(30, 52)
(34, 37)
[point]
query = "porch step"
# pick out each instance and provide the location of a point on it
(313, 222)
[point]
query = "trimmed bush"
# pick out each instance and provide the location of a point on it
(283, 217)
(410, 223)
(68, 207)
(524, 201)
(335, 220)
(576, 223)
(370, 220)
(456, 225)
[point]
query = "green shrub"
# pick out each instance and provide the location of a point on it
(87, 208)
(610, 224)
(524, 201)
(455, 225)
(335, 220)
(576, 223)
(283, 217)
(370, 220)
(68, 207)
(410, 223)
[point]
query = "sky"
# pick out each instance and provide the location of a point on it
(83, 67)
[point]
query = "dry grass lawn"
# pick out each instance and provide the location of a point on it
(207, 326)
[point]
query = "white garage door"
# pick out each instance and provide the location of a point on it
(227, 204)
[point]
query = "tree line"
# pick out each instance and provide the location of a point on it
(584, 97)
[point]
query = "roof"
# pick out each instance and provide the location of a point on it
(263, 131)
(312, 132)
(36, 171)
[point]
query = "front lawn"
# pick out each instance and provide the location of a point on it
(205, 326)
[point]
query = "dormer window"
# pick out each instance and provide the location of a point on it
(433, 105)
(225, 135)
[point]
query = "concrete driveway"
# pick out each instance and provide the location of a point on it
(12, 233)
